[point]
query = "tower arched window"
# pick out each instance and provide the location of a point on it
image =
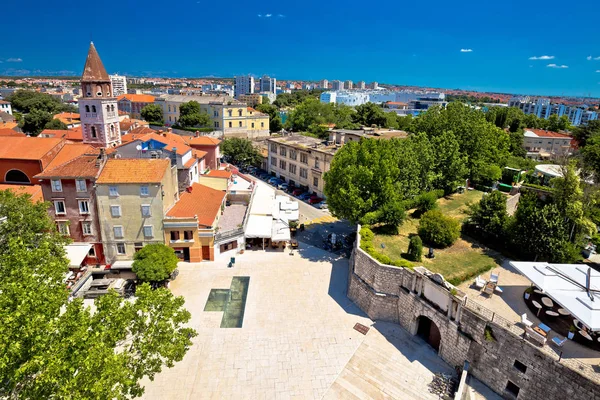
(107, 108)
(239, 113)
(112, 130)
(99, 91)
(87, 109)
(112, 107)
(93, 109)
(229, 112)
(93, 132)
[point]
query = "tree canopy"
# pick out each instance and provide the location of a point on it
(36, 121)
(153, 113)
(311, 115)
(154, 262)
(27, 101)
(55, 347)
(191, 115)
(275, 124)
(241, 151)
(56, 124)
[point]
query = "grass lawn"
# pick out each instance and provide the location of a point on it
(455, 262)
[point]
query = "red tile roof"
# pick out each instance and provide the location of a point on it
(81, 167)
(71, 151)
(137, 98)
(201, 201)
(10, 132)
(35, 191)
(134, 171)
(26, 148)
(219, 173)
(74, 135)
(543, 133)
(199, 154)
(203, 141)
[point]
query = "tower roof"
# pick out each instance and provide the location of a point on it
(94, 69)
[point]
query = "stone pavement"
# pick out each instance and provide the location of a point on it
(389, 364)
(296, 337)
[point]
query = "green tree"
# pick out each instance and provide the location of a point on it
(36, 121)
(438, 229)
(449, 164)
(487, 174)
(56, 124)
(275, 124)
(584, 132)
(241, 151)
(153, 113)
(415, 248)
(557, 124)
(191, 115)
(370, 114)
(425, 202)
(27, 101)
(489, 214)
(591, 154)
(55, 348)
(154, 262)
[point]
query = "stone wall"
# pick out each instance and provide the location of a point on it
(398, 295)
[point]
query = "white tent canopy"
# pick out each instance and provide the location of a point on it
(76, 253)
(280, 231)
(567, 284)
(286, 209)
(259, 226)
(262, 202)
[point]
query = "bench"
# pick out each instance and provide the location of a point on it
(536, 337)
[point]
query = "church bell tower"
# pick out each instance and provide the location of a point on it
(97, 105)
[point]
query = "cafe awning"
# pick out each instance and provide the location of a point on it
(76, 253)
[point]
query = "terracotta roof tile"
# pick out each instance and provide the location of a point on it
(67, 115)
(134, 171)
(34, 190)
(71, 151)
(10, 132)
(203, 141)
(219, 173)
(202, 201)
(199, 154)
(137, 98)
(543, 133)
(80, 167)
(26, 148)
(8, 125)
(94, 70)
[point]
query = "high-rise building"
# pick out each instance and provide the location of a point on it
(243, 85)
(348, 84)
(119, 85)
(374, 85)
(361, 85)
(324, 84)
(337, 85)
(268, 85)
(98, 106)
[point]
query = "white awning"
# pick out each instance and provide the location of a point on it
(259, 226)
(280, 232)
(122, 265)
(567, 285)
(286, 209)
(76, 253)
(262, 202)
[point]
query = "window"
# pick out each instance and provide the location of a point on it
(282, 151)
(112, 130)
(230, 112)
(144, 190)
(293, 169)
(304, 158)
(512, 389)
(239, 113)
(118, 231)
(56, 185)
(86, 228)
(282, 164)
(146, 210)
(107, 108)
(230, 124)
(273, 161)
(216, 124)
(303, 173)
(262, 124)
(316, 181)
(317, 163)
(113, 190)
(112, 108)
(240, 124)
(115, 211)
(293, 154)
(169, 108)
(84, 206)
(59, 207)
(273, 148)
(120, 248)
(87, 109)
(63, 228)
(81, 186)
(191, 177)
(216, 113)
(148, 231)
(137, 246)
(174, 235)
(92, 252)
(520, 366)
(93, 131)
(93, 109)
(188, 235)
(253, 125)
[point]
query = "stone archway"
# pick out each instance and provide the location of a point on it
(429, 331)
(16, 176)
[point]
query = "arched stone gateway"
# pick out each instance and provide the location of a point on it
(429, 331)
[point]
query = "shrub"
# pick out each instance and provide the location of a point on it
(426, 201)
(154, 262)
(415, 248)
(438, 229)
(464, 276)
(366, 243)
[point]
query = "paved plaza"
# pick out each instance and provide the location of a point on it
(297, 337)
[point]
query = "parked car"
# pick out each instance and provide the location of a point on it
(282, 186)
(322, 205)
(314, 200)
(304, 196)
(273, 180)
(297, 191)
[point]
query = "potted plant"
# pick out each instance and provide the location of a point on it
(572, 330)
(528, 292)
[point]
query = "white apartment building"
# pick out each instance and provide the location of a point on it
(119, 85)
(243, 85)
(5, 107)
(543, 108)
(348, 85)
(268, 85)
(361, 85)
(324, 84)
(543, 144)
(337, 85)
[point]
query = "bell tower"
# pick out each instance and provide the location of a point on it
(97, 105)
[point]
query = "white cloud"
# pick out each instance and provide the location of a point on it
(268, 15)
(14, 60)
(557, 66)
(598, 70)
(259, 15)
(466, 50)
(589, 58)
(542, 58)
(280, 16)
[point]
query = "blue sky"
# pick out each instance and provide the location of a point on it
(402, 42)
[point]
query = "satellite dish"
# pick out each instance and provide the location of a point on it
(138, 147)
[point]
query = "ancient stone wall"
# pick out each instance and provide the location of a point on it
(394, 294)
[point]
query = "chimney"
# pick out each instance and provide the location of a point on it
(197, 133)
(169, 130)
